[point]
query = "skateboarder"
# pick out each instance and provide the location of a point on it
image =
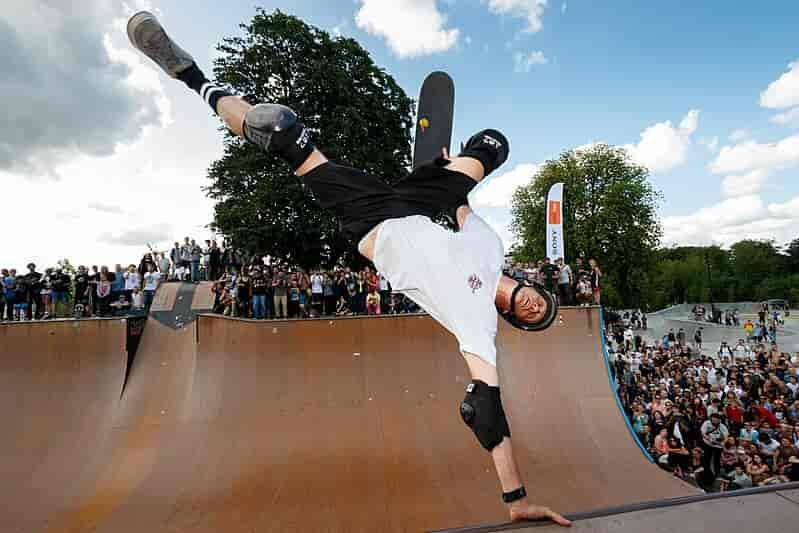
(456, 277)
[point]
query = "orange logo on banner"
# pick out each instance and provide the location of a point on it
(554, 212)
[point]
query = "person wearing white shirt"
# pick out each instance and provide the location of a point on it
(151, 281)
(132, 280)
(456, 277)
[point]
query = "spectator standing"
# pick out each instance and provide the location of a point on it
(132, 281)
(317, 291)
(681, 337)
(147, 260)
(118, 283)
(258, 288)
(714, 433)
(244, 293)
(21, 299)
(60, 284)
(185, 259)
(175, 256)
(215, 260)
(698, 339)
(373, 302)
(45, 292)
(195, 255)
(207, 260)
(564, 282)
(33, 282)
(163, 266)
(596, 281)
(81, 305)
(103, 293)
(550, 274)
(329, 293)
(280, 295)
(152, 279)
(293, 298)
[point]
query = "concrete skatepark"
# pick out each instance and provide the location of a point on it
(217, 424)
(679, 316)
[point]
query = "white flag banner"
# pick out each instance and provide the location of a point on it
(555, 247)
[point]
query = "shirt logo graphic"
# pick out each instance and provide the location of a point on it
(475, 283)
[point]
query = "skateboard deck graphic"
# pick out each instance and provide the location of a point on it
(434, 118)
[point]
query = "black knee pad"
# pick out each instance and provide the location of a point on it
(482, 411)
(276, 127)
(489, 147)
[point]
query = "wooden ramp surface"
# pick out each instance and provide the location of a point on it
(317, 425)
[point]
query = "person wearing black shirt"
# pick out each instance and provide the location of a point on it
(550, 274)
(259, 289)
(244, 293)
(215, 259)
(33, 282)
(21, 299)
(59, 283)
(81, 292)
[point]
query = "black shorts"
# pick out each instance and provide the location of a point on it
(361, 200)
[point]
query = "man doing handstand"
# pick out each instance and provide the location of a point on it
(455, 276)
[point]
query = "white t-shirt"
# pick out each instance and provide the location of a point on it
(565, 274)
(382, 282)
(452, 276)
(316, 284)
(151, 280)
(132, 280)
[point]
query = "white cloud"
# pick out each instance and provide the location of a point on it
(751, 155)
(664, 146)
(744, 185)
(140, 236)
(786, 210)
(712, 144)
(789, 118)
(524, 62)
(734, 219)
(714, 223)
(497, 191)
(103, 207)
(783, 92)
(60, 57)
(531, 10)
(739, 135)
(412, 28)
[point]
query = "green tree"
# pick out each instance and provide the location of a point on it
(359, 116)
(791, 257)
(609, 213)
(753, 262)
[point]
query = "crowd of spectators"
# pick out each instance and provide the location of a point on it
(243, 287)
(578, 285)
(64, 291)
(262, 292)
(762, 329)
(724, 420)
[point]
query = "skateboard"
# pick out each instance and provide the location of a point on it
(434, 118)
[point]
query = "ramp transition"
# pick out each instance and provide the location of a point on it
(314, 425)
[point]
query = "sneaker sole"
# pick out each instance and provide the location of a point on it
(181, 60)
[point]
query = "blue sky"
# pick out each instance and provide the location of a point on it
(703, 93)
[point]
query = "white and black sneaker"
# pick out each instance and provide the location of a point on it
(147, 35)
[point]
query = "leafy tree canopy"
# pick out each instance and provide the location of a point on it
(360, 116)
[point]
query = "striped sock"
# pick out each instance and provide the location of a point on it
(196, 80)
